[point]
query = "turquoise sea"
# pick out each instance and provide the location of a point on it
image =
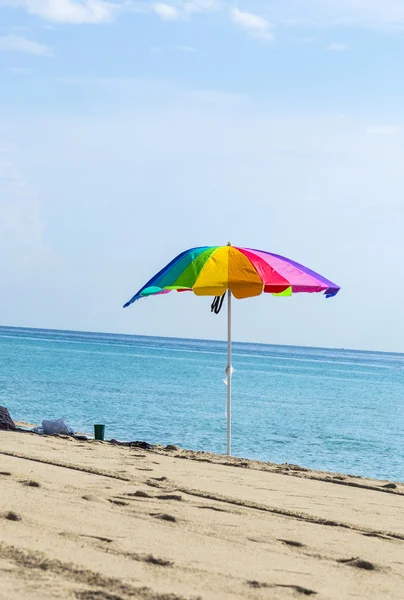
(338, 410)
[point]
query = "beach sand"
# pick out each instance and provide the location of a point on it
(94, 520)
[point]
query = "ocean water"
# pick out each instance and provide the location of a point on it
(337, 410)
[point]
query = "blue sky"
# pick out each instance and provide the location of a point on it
(131, 130)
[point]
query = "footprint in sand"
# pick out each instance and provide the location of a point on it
(297, 588)
(5, 473)
(164, 517)
(12, 516)
(169, 497)
(90, 498)
(97, 537)
(118, 502)
(380, 536)
(96, 595)
(358, 563)
(139, 494)
(152, 560)
(292, 543)
(152, 484)
(31, 483)
(216, 510)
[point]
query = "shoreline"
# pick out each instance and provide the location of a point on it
(236, 461)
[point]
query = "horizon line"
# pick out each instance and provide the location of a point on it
(76, 331)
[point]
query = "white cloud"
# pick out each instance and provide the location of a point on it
(17, 43)
(254, 24)
(382, 14)
(337, 47)
(369, 12)
(188, 49)
(173, 10)
(382, 130)
(69, 11)
(167, 12)
(199, 6)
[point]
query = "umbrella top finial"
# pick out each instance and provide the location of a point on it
(229, 243)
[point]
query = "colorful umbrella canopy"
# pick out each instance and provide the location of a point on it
(242, 272)
(211, 270)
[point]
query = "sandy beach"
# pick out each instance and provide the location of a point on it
(95, 520)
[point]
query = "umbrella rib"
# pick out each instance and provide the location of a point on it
(204, 266)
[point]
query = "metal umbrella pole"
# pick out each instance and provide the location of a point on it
(229, 372)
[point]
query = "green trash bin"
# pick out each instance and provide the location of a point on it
(99, 431)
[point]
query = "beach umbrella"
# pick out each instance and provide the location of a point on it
(242, 273)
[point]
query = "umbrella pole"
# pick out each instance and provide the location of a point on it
(229, 373)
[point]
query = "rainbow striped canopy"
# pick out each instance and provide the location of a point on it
(211, 270)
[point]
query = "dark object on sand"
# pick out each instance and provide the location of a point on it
(99, 432)
(31, 483)
(6, 422)
(142, 445)
(12, 516)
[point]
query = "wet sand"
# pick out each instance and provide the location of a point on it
(94, 520)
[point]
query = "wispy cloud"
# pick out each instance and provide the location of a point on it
(188, 49)
(173, 10)
(69, 11)
(254, 24)
(255, 15)
(17, 43)
(156, 50)
(375, 14)
(167, 12)
(382, 130)
(368, 12)
(199, 6)
(337, 47)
